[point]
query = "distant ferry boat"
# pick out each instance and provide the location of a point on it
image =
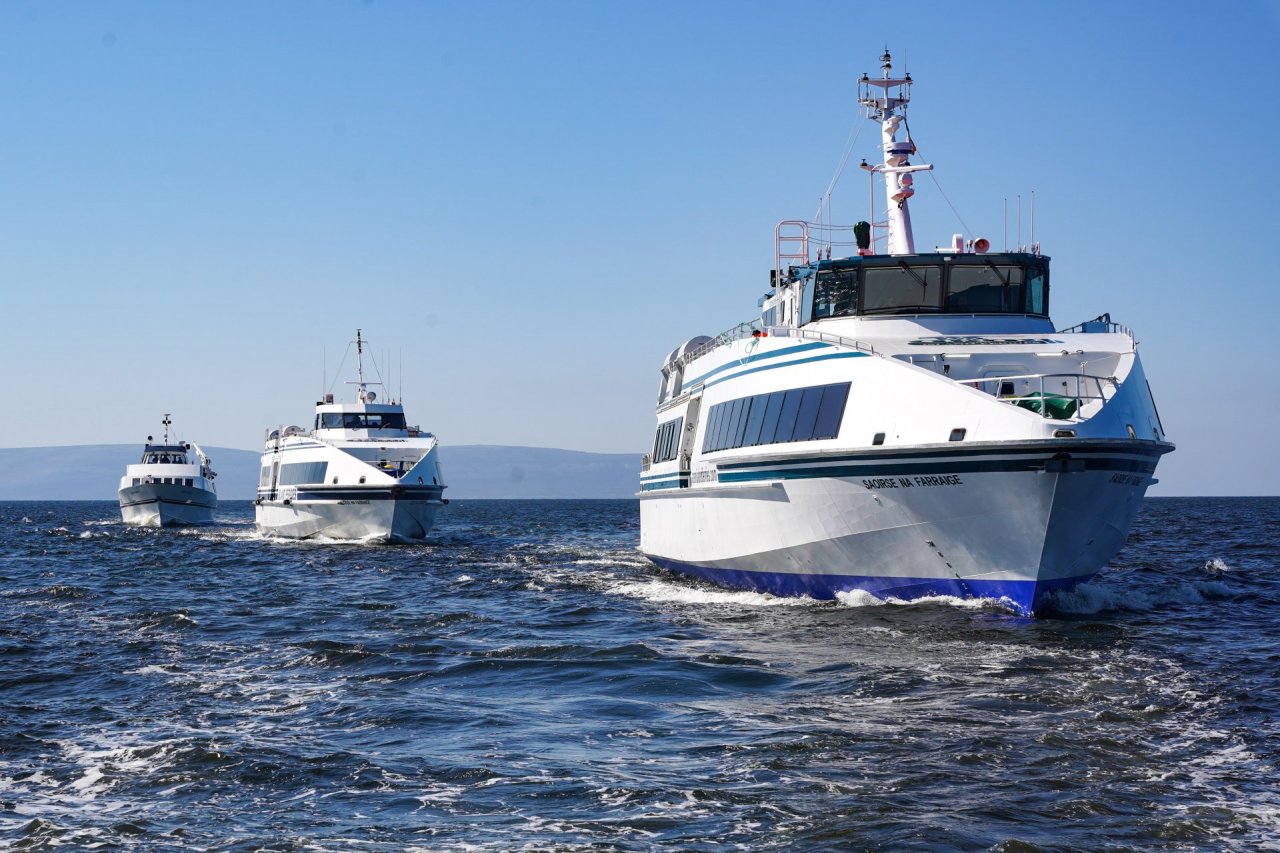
(361, 472)
(908, 424)
(172, 485)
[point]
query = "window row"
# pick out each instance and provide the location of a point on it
(302, 472)
(801, 414)
(927, 288)
(357, 420)
(176, 481)
(666, 444)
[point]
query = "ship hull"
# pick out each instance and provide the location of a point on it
(1008, 522)
(391, 514)
(166, 505)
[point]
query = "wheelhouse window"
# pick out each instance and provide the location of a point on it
(835, 293)
(902, 289)
(988, 289)
(362, 420)
(1004, 283)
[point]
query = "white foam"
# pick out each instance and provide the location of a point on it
(1216, 566)
(663, 591)
(862, 598)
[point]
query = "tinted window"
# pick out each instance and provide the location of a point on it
(801, 414)
(302, 472)
(831, 412)
(787, 419)
(1037, 290)
(987, 289)
(807, 416)
(770, 423)
(744, 416)
(901, 289)
(834, 293)
(331, 420)
(755, 420)
(666, 444)
(713, 428)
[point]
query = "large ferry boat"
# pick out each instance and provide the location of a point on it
(361, 472)
(904, 423)
(171, 485)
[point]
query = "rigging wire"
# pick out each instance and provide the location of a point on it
(338, 372)
(835, 179)
(963, 224)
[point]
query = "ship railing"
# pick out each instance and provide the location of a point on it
(818, 335)
(1087, 388)
(754, 330)
(1098, 325)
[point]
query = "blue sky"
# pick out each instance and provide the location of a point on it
(530, 204)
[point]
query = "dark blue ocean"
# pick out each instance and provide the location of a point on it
(527, 682)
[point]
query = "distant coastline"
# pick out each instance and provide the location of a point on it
(92, 472)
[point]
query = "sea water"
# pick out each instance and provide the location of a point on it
(527, 681)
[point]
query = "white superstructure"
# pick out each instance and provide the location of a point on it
(906, 423)
(171, 485)
(360, 472)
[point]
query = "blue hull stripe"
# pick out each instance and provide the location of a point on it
(758, 357)
(1023, 596)
(798, 361)
(869, 456)
(389, 493)
(925, 468)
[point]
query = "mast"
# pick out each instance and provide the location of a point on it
(890, 109)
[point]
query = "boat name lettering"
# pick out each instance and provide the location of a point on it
(706, 475)
(346, 503)
(967, 341)
(1128, 479)
(911, 482)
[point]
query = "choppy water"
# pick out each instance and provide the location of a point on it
(527, 682)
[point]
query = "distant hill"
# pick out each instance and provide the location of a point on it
(93, 471)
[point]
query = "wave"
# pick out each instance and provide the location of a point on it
(1090, 599)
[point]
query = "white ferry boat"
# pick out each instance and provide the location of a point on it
(904, 423)
(171, 485)
(361, 472)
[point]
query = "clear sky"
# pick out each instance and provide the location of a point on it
(530, 204)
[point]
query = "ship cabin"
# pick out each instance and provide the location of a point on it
(354, 421)
(950, 283)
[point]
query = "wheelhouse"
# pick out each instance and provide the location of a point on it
(961, 283)
(164, 454)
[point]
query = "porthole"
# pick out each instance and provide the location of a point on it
(362, 479)
(335, 481)
(1064, 433)
(957, 434)
(879, 439)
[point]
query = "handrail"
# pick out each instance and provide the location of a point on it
(815, 335)
(1092, 327)
(750, 329)
(1099, 382)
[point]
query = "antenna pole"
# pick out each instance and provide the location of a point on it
(890, 109)
(166, 423)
